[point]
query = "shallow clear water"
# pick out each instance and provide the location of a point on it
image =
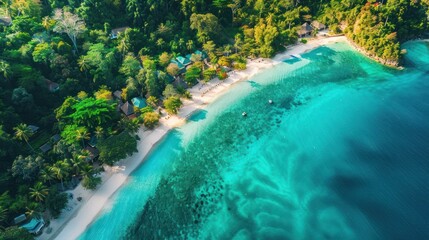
(342, 153)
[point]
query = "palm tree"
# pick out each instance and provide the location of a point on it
(76, 163)
(23, 132)
(82, 134)
(5, 69)
(90, 181)
(3, 215)
(99, 131)
(60, 170)
(33, 210)
(39, 192)
(45, 176)
(190, 45)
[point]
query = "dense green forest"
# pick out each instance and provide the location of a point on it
(61, 60)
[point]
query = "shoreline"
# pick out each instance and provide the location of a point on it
(78, 215)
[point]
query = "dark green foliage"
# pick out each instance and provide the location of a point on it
(15, 233)
(35, 52)
(116, 147)
(55, 201)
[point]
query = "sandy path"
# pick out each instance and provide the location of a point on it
(79, 214)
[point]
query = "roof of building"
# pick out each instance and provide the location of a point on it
(93, 141)
(52, 86)
(305, 29)
(33, 128)
(183, 60)
(46, 147)
(139, 102)
(179, 65)
(117, 94)
(5, 21)
(116, 31)
(34, 226)
(21, 218)
(56, 138)
(127, 108)
(318, 25)
(202, 53)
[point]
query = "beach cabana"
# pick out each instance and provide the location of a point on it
(139, 102)
(318, 25)
(305, 30)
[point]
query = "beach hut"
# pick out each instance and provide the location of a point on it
(318, 25)
(305, 30)
(139, 102)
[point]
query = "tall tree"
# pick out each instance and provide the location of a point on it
(69, 24)
(23, 132)
(207, 26)
(39, 192)
(60, 170)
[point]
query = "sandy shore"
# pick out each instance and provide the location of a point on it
(79, 214)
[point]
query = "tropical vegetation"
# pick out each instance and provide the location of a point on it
(69, 67)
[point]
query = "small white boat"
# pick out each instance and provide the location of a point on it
(270, 101)
(244, 114)
(295, 56)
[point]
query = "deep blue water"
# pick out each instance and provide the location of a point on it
(342, 153)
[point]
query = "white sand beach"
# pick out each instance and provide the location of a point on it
(79, 214)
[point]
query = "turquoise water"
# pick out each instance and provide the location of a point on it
(342, 153)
